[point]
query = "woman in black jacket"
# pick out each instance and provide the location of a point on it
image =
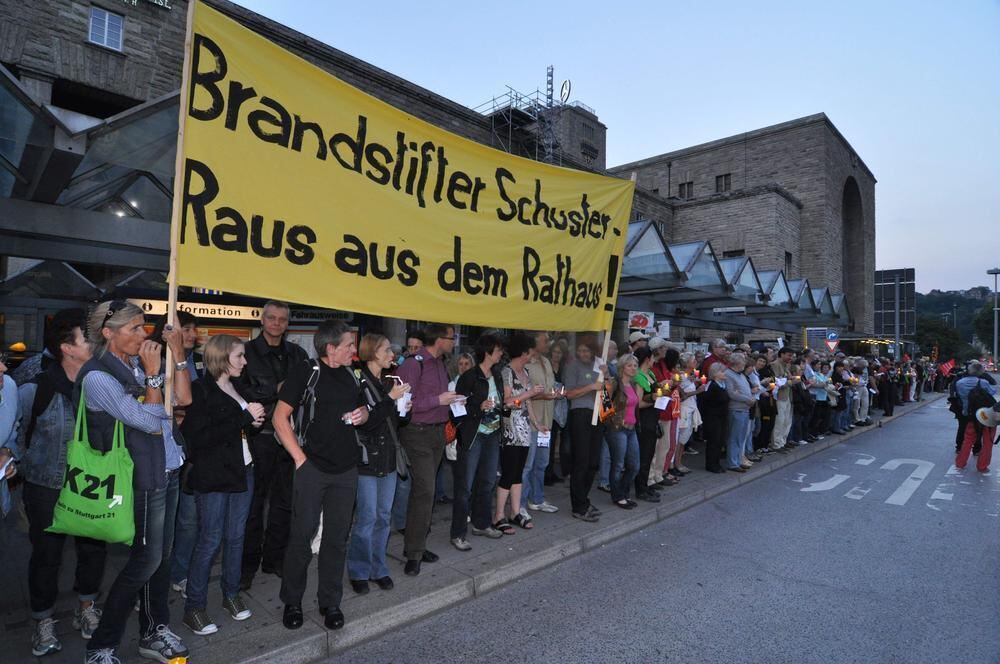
(714, 406)
(221, 477)
(377, 478)
(478, 444)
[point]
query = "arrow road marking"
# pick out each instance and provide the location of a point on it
(909, 486)
(826, 485)
(866, 461)
(117, 501)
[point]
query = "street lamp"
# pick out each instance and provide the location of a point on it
(996, 312)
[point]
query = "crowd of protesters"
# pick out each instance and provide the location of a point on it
(266, 453)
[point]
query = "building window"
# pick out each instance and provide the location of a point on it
(587, 131)
(788, 264)
(723, 183)
(735, 253)
(106, 28)
(685, 190)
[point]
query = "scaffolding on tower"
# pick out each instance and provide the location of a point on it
(526, 124)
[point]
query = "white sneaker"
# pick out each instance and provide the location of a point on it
(543, 507)
(102, 656)
(180, 587)
(43, 638)
(86, 620)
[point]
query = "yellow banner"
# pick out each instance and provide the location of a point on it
(300, 187)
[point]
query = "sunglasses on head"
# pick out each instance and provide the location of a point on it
(113, 308)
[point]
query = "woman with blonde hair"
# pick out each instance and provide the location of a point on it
(215, 427)
(122, 382)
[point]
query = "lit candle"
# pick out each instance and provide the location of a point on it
(677, 377)
(704, 379)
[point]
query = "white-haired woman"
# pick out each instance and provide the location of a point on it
(125, 368)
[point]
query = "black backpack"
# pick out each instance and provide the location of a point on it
(980, 398)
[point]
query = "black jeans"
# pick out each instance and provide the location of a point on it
(272, 486)
(315, 492)
(715, 437)
(46, 555)
(821, 418)
(475, 482)
(647, 432)
(146, 575)
(585, 441)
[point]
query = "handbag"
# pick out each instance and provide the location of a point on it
(96, 497)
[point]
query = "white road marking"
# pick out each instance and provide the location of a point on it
(940, 495)
(826, 485)
(857, 493)
(800, 478)
(866, 461)
(909, 486)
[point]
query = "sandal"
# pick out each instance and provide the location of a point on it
(503, 525)
(523, 522)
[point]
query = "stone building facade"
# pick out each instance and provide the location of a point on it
(794, 196)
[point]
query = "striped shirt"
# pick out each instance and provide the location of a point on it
(105, 393)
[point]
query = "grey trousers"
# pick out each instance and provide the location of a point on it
(424, 445)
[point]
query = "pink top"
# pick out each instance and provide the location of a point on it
(631, 402)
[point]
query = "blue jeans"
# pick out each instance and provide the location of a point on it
(604, 469)
(753, 425)
(533, 478)
(739, 422)
(146, 575)
(222, 521)
(400, 501)
(370, 535)
(624, 454)
(185, 534)
(475, 482)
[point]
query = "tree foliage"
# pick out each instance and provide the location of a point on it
(933, 331)
(982, 324)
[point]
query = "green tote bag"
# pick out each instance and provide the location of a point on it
(96, 496)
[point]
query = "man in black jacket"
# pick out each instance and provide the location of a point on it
(269, 358)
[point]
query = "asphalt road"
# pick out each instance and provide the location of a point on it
(875, 550)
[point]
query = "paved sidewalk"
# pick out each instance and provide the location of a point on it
(456, 577)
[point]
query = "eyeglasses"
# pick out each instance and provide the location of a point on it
(113, 308)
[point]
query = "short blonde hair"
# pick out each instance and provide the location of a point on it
(217, 352)
(369, 344)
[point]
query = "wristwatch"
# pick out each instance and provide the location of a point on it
(181, 366)
(155, 382)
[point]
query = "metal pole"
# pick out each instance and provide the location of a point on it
(896, 320)
(996, 311)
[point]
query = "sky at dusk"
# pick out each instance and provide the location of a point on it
(913, 86)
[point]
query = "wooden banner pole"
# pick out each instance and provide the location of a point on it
(604, 359)
(176, 204)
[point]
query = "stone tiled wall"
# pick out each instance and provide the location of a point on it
(762, 221)
(808, 161)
